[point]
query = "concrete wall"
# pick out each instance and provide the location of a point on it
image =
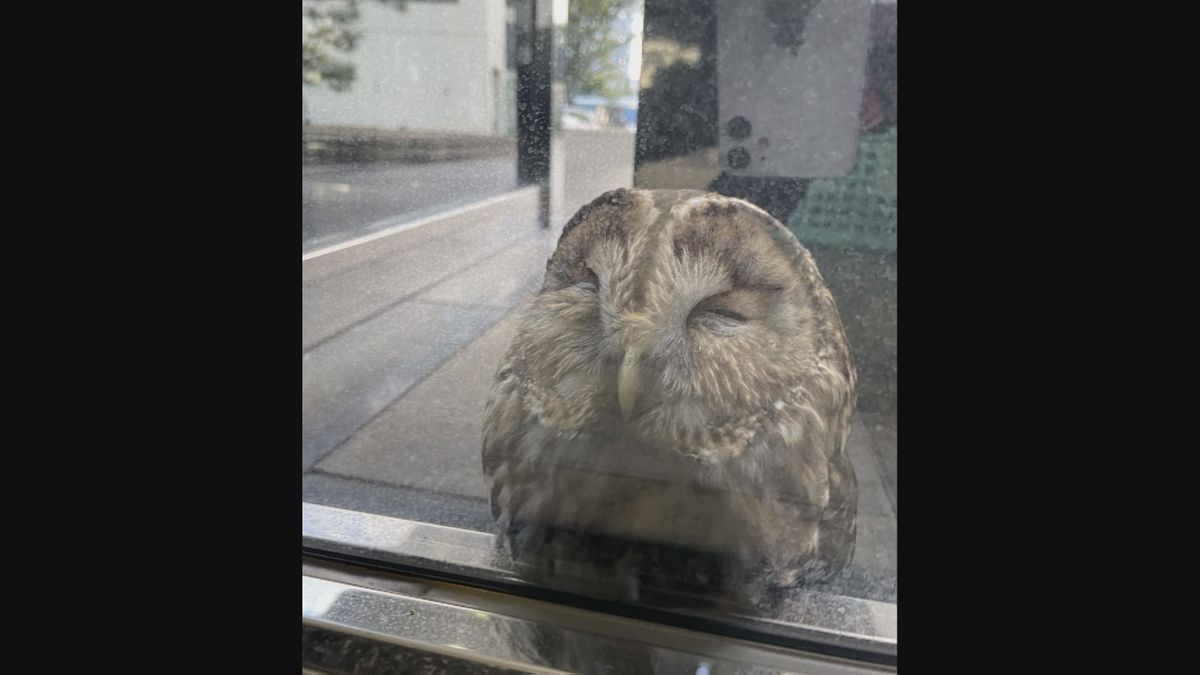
(431, 67)
(584, 164)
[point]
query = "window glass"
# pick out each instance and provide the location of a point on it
(720, 458)
(408, 109)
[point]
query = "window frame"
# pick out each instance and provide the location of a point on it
(468, 558)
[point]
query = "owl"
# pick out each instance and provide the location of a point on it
(673, 411)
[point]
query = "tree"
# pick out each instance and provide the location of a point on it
(328, 27)
(589, 42)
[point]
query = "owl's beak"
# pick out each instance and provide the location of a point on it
(628, 383)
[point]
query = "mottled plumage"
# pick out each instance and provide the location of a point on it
(674, 408)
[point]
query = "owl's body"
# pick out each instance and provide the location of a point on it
(675, 405)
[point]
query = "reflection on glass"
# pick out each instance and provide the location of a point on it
(601, 57)
(410, 113)
(409, 108)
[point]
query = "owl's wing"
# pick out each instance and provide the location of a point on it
(519, 464)
(838, 528)
(504, 421)
(795, 487)
(834, 396)
(533, 490)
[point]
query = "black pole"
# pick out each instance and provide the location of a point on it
(534, 51)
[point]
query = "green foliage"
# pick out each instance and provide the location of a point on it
(589, 42)
(328, 28)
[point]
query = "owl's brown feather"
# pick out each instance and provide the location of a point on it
(681, 381)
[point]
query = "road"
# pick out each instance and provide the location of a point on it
(342, 201)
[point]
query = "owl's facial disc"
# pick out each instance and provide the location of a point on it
(675, 309)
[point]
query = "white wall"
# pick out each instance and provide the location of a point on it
(434, 66)
(586, 163)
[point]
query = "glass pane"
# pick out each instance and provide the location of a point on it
(648, 396)
(408, 109)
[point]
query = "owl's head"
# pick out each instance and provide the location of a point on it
(685, 319)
